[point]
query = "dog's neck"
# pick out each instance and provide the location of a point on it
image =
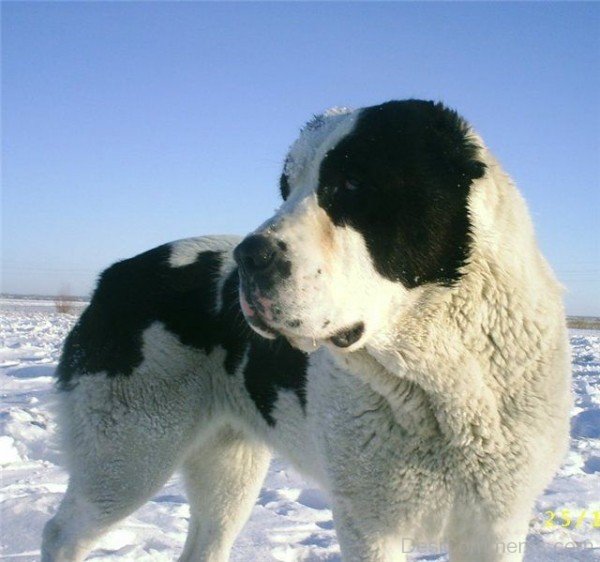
(469, 344)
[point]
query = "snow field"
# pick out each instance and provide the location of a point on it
(291, 520)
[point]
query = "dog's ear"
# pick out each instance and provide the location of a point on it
(459, 147)
(320, 119)
(303, 148)
(284, 184)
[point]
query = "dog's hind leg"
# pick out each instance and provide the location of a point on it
(118, 457)
(222, 478)
(95, 502)
(107, 490)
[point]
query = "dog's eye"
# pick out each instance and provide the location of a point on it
(351, 185)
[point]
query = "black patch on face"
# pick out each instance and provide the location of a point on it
(401, 178)
(134, 293)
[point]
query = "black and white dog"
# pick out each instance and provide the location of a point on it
(408, 351)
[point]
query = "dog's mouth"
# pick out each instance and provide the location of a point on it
(348, 336)
(259, 314)
(254, 318)
(342, 339)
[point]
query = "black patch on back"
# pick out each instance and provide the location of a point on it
(236, 333)
(131, 295)
(274, 365)
(134, 293)
(413, 166)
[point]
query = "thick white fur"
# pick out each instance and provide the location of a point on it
(443, 425)
(491, 364)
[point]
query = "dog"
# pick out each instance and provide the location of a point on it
(393, 330)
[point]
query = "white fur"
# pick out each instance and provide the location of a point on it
(184, 252)
(441, 426)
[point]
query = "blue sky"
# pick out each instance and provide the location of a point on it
(126, 125)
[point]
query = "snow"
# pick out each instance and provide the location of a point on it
(291, 520)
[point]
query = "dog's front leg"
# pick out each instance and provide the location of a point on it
(478, 537)
(222, 479)
(360, 542)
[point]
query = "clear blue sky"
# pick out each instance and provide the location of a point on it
(126, 125)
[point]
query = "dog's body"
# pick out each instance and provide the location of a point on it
(427, 386)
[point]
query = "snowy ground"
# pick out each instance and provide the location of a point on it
(291, 520)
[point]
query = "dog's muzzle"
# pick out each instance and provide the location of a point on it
(262, 262)
(263, 265)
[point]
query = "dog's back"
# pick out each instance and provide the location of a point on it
(161, 371)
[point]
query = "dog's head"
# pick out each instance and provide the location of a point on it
(375, 205)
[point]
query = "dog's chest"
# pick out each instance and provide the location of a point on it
(346, 426)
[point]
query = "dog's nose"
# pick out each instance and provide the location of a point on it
(256, 254)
